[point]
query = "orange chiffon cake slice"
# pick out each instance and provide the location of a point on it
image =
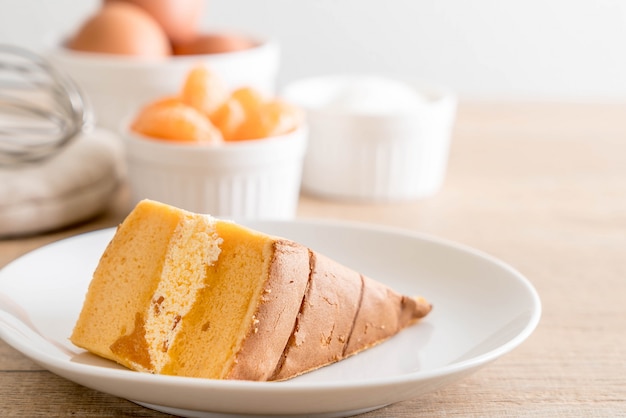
(186, 294)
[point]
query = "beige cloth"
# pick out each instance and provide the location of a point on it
(70, 187)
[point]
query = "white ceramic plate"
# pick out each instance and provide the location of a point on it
(482, 309)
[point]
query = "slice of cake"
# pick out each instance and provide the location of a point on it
(186, 294)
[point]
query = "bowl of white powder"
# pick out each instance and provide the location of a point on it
(373, 138)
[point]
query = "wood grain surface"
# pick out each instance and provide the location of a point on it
(541, 186)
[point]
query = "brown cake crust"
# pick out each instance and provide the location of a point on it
(326, 319)
(382, 314)
(274, 319)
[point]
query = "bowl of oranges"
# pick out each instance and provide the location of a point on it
(207, 148)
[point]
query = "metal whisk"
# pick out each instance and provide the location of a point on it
(41, 109)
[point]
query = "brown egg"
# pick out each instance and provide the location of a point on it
(124, 29)
(213, 44)
(178, 18)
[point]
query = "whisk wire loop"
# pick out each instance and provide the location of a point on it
(41, 109)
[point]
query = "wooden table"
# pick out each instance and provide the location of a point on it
(540, 186)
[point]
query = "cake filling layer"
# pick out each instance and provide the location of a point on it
(193, 248)
(225, 315)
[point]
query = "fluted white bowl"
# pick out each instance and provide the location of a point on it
(375, 153)
(254, 179)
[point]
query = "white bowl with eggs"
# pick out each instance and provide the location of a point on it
(115, 86)
(128, 60)
(252, 179)
(374, 138)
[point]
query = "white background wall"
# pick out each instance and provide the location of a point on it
(529, 49)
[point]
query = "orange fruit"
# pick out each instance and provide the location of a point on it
(203, 90)
(163, 102)
(281, 117)
(228, 118)
(169, 119)
(249, 98)
(205, 112)
(272, 118)
(234, 112)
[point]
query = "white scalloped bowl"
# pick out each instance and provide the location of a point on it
(254, 179)
(369, 152)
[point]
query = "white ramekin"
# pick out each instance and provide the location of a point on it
(116, 86)
(373, 155)
(255, 179)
